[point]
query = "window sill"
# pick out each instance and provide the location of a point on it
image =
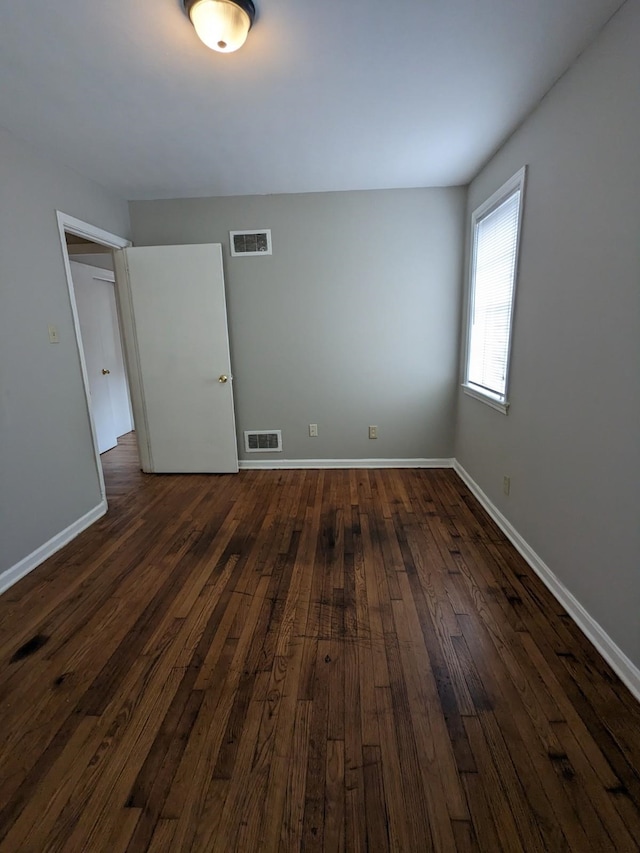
(484, 398)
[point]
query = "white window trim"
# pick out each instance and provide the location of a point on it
(486, 397)
(518, 181)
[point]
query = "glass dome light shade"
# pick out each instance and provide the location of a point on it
(220, 24)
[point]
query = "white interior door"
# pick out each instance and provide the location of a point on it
(94, 313)
(118, 383)
(175, 326)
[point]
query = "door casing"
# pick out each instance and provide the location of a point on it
(70, 225)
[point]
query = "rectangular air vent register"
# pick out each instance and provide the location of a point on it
(263, 441)
(256, 242)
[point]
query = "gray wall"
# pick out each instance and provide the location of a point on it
(571, 441)
(48, 476)
(352, 321)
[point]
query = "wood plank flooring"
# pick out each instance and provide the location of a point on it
(304, 660)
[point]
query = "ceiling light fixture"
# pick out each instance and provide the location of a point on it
(222, 25)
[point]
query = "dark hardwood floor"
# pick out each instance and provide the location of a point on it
(304, 660)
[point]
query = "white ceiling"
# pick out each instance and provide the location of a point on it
(325, 94)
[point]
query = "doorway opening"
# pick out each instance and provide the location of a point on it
(88, 259)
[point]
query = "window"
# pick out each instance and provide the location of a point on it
(495, 237)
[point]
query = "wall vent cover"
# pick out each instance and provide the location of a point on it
(256, 242)
(263, 441)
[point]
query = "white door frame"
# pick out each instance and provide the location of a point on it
(70, 225)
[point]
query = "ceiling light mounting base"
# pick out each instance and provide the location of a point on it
(222, 25)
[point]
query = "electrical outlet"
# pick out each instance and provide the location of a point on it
(506, 485)
(54, 338)
(313, 430)
(373, 432)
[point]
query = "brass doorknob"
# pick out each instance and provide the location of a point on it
(222, 379)
(105, 372)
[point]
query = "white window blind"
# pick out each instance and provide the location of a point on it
(494, 261)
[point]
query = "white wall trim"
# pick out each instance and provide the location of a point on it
(70, 225)
(615, 657)
(33, 560)
(294, 464)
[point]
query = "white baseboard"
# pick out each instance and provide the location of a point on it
(295, 464)
(615, 657)
(30, 562)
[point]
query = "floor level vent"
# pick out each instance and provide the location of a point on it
(263, 441)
